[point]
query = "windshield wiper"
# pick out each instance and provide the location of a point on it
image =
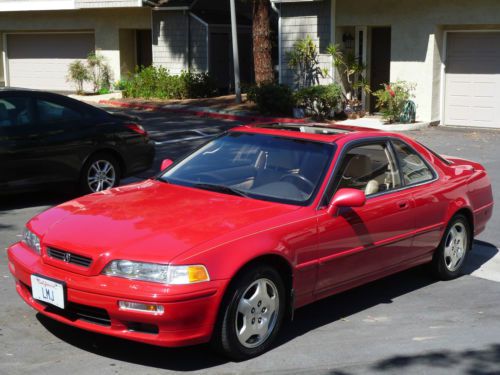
(221, 189)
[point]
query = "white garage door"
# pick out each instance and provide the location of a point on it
(472, 96)
(40, 61)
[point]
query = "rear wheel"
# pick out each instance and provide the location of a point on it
(452, 252)
(251, 315)
(101, 172)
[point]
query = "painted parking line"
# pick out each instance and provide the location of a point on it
(484, 262)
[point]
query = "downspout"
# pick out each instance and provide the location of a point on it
(278, 12)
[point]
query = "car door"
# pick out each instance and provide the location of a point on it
(430, 207)
(360, 242)
(67, 135)
(20, 149)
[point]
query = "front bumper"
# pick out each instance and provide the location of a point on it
(92, 303)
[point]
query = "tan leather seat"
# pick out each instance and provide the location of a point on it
(358, 166)
(372, 187)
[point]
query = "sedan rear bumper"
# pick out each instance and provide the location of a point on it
(188, 319)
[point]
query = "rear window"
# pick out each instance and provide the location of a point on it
(435, 154)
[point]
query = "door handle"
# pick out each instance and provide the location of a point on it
(403, 205)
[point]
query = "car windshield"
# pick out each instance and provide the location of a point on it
(257, 166)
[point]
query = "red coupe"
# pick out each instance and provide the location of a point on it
(224, 244)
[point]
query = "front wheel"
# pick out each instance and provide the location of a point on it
(452, 252)
(251, 315)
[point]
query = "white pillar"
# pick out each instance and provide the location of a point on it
(236, 58)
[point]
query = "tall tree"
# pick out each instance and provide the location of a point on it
(263, 62)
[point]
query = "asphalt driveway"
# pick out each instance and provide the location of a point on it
(405, 323)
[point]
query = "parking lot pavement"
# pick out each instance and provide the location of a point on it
(405, 323)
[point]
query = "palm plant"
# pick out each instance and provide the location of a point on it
(352, 73)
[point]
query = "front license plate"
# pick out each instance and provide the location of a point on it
(48, 291)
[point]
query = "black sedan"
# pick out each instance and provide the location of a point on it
(47, 138)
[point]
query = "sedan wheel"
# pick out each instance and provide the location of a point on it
(101, 172)
(257, 313)
(252, 313)
(101, 176)
(451, 254)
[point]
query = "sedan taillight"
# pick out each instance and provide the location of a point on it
(137, 128)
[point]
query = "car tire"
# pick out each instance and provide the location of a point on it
(451, 255)
(251, 315)
(101, 172)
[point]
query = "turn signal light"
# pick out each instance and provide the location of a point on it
(134, 306)
(197, 274)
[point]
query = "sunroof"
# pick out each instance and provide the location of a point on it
(305, 128)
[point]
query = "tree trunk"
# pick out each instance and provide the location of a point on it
(263, 63)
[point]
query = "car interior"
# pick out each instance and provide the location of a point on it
(282, 172)
(369, 168)
(14, 112)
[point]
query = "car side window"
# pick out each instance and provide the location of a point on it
(15, 111)
(370, 168)
(54, 113)
(413, 168)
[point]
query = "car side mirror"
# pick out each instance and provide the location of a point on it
(346, 198)
(166, 163)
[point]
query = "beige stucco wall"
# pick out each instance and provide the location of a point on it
(106, 23)
(417, 37)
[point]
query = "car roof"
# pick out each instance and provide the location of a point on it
(21, 90)
(320, 132)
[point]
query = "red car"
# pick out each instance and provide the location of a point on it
(224, 244)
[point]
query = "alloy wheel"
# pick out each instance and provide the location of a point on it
(455, 246)
(257, 313)
(101, 176)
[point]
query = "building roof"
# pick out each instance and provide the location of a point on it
(177, 4)
(217, 17)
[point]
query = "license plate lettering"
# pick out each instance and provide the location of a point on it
(48, 291)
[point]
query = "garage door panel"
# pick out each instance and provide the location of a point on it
(472, 96)
(41, 61)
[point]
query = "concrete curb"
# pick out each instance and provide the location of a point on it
(370, 123)
(202, 112)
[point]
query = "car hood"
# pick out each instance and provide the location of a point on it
(151, 221)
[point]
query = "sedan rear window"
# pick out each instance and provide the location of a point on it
(15, 111)
(258, 166)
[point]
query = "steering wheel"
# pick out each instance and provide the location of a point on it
(300, 178)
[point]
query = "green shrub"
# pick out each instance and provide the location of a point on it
(319, 101)
(392, 99)
(272, 99)
(78, 74)
(95, 70)
(157, 82)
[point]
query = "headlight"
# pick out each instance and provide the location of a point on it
(158, 273)
(32, 240)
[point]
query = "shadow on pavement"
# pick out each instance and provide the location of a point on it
(306, 319)
(17, 201)
(178, 359)
(473, 362)
(201, 357)
(481, 253)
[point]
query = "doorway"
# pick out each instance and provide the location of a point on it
(380, 62)
(144, 46)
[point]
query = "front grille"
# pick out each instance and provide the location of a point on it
(68, 257)
(75, 311)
